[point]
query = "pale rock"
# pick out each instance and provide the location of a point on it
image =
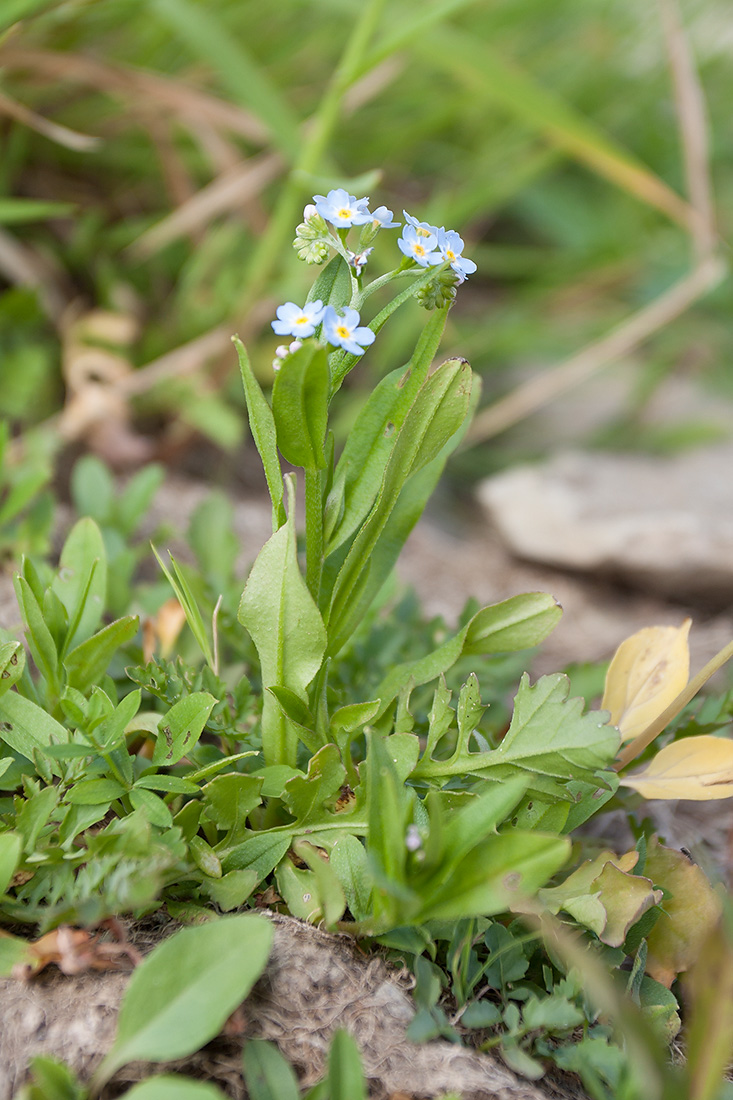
(662, 524)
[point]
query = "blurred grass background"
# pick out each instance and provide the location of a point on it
(155, 156)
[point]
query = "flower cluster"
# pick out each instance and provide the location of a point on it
(429, 245)
(325, 227)
(341, 330)
(339, 209)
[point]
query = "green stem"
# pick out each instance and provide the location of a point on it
(319, 133)
(313, 531)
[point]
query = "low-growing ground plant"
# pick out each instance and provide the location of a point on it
(312, 748)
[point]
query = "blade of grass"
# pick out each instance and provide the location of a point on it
(236, 69)
(484, 71)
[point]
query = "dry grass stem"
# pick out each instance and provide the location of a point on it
(228, 191)
(184, 101)
(62, 135)
(691, 116)
(621, 340)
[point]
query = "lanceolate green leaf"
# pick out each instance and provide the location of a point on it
(27, 727)
(300, 406)
(286, 627)
(81, 581)
(40, 641)
(181, 995)
(333, 285)
(12, 663)
(262, 426)
(88, 663)
(516, 623)
(437, 412)
(181, 727)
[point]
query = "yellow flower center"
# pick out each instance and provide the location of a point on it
(449, 255)
(302, 320)
(343, 332)
(422, 232)
(344, 212)
(419, 250)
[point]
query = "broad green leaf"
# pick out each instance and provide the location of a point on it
(331, 897)
(34, 815)
(647, 672)
(93, 792)
(110, 734)
(11, 846)
(88, 662)
(469, 826)
(262, 426)
(180, 729)
(205, 857)
(691, 910)
(27, 727)
(516, 623)
(260, 852)
(333, 285)
(40, 641)
(349, 861)
(305, 797)
(345, 1075)
(298, 712)
(400, 522)
(360, 468)
(229, 800)
(299, 889)
(699, 769)
(170, 1086)
(181, 995)
(286, 627)
(436, 414)
(300, 406)
(153, 807)
(14, 951)
(231, 890)
(81, 581)
(498, 873)
(12, 663)
(266, 1073)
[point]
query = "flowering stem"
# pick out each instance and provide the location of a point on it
(342, 362)
(313, 531)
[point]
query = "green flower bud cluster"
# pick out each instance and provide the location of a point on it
(312, 238)
(441, 291)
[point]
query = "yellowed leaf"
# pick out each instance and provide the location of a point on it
(699, 769)
(647, 672)
(691, 911)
